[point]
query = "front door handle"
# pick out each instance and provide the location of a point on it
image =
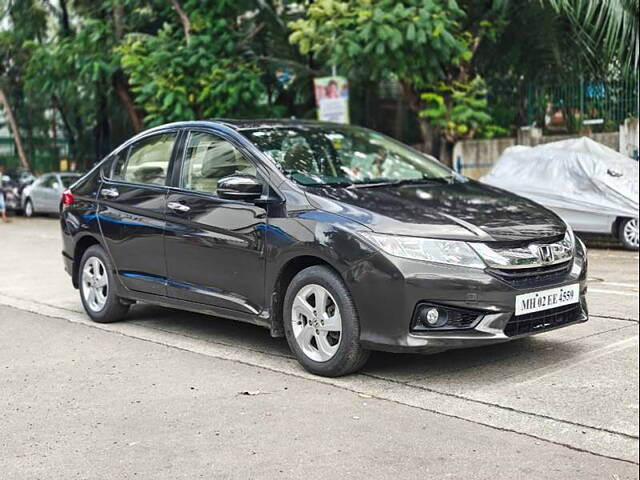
(109, 193)
(179, 207)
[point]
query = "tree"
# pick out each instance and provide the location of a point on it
(14, 129)
(460, 110)
(193, 67)
(26, 21)
(607, 30)
(415, 40)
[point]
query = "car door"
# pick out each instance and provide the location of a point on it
(51, 195)
(37, 192)
(214, 246)
(131, 211)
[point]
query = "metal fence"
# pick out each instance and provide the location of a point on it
(580, 103)
(42, 154)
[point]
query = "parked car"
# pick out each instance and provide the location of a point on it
(337, 237)
(11, 191)
(43, 195)
(592, 187)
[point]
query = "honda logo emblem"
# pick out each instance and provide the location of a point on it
(546, 253)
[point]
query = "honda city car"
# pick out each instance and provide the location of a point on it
(336, 237)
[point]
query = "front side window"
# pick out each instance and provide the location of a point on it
(207, 159)
(146, 162)
(328, 155)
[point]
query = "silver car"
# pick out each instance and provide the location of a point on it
(593, 188)
(43, 195)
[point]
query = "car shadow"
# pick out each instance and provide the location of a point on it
(208, 328)
(492, 363)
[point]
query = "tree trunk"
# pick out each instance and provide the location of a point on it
(121, 87)
(66, 24)
(446, 152)
(427, 131)
(184, 19)
(118, 20)
(102, 129)
(54, 133)
(14, 128)
(73, 151)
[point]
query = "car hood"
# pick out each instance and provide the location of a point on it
(465, 210)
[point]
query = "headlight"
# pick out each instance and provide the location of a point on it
(449, 252)
(569, 240)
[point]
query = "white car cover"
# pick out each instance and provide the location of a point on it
(576, 174)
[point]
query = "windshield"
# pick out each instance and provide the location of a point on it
(336, 155)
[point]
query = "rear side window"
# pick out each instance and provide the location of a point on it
(50, 182)
(146, 161)
(207, 159)
(67, 180)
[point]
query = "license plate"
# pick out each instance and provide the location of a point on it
(546, 299)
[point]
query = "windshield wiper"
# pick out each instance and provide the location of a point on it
(403, 182)
(330, 184)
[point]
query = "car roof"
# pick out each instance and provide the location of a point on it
(60, 174)
(251, 124)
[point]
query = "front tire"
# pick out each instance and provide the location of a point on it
(628, 233)
(321, 323)
(29, 212)
(97, 292)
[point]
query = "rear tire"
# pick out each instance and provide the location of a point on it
(96, 284)
(321, 323)
(628, 233)
(29, 212)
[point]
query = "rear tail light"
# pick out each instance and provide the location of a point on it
(67, 198)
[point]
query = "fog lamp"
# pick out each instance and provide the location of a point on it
(433, 316)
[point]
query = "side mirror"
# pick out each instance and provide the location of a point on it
(240, 187)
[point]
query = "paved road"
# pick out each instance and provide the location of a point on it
(560, 405)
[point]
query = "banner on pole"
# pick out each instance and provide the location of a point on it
(332, 99)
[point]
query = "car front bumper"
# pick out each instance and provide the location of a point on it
(388, 289)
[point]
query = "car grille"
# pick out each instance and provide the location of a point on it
(525, 277)
(541, 321)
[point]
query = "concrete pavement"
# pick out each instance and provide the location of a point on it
(575, 389)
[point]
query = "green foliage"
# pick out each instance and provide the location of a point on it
(606, 30)
(460, 110)
(175, 80)
(416, 40)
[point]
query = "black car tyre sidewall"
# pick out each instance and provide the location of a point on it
(29, 213)
(350, 355)
(621, 236)
(113, 310)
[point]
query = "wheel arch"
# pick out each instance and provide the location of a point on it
(81, 246)
(287, 272)
(617, 231)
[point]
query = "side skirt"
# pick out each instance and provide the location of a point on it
(261, 320)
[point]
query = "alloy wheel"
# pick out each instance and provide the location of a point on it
(95, 284)
(28, 209)
(316, 322)
(630, 232)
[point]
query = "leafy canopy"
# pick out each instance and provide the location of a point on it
(415, 39)
(173, 78)
(461, 110)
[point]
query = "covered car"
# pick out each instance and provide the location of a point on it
(591, 186)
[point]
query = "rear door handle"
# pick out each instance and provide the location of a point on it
(109, 193)
(178, 207)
